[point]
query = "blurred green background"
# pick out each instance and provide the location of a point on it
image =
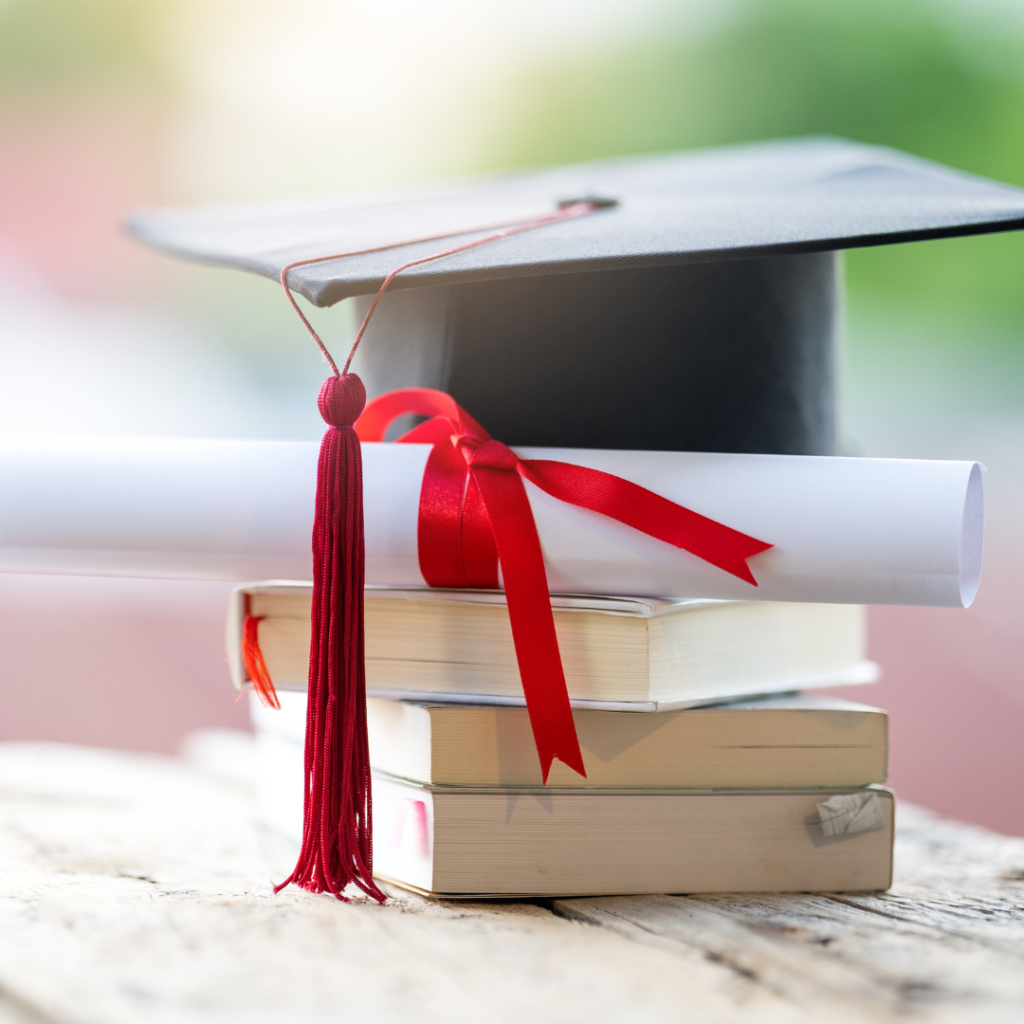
(938, 82)
(107, 105)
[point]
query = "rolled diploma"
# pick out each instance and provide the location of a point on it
(858, 531)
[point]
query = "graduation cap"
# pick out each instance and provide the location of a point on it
(680, 302)
(696, 311)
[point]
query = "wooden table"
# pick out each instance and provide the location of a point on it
(137, 889)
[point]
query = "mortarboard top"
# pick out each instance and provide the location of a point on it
(808, 195)
(698, 312)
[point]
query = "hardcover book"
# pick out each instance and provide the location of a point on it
(450, 841)
(617, 653)
(788, 741)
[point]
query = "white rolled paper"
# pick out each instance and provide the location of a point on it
(845, 531)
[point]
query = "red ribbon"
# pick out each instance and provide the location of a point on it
(474, 514)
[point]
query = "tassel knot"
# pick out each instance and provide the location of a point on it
(342, 399)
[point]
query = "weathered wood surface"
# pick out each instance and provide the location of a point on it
(137, 889)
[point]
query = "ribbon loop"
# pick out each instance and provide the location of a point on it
(475, 514)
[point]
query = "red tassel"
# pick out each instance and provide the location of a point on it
(252, 660)
(337, 811)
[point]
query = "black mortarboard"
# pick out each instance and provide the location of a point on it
(696, 313)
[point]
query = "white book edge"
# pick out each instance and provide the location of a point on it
(860, 673)
(632, 607)
(599, 791)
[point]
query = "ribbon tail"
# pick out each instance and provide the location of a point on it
(650, 513)
(255, 666)
(529, 610)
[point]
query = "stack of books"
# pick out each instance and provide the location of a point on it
(708, 768)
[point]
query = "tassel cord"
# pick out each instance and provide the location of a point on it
(566, 211)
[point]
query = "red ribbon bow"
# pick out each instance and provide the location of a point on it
(474, 514)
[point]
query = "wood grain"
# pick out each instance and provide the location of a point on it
(136, 888)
